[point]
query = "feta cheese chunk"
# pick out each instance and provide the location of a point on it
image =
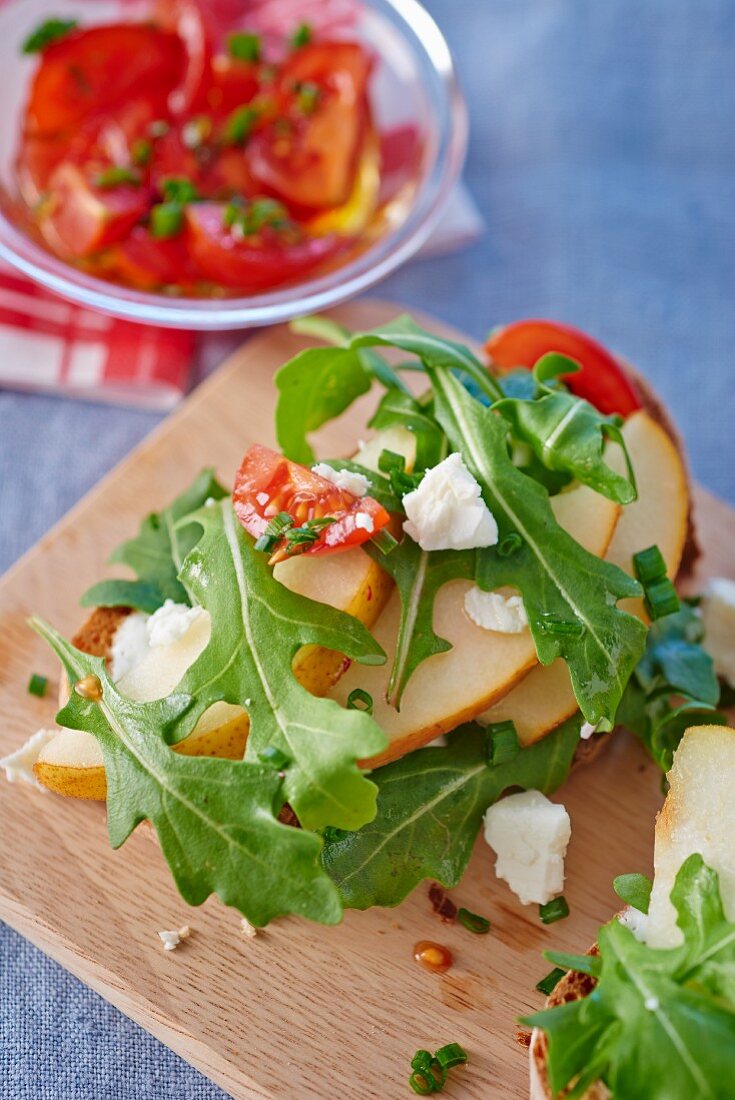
(587, 730)
(19, 764)
(170, 623)
(129, 645)
(171, 940)
(447, 512)
(718, 615)
(364, 522)
(529, 835)
(348, 480)
(495, 611)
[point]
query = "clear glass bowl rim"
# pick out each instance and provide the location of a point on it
(313, 296)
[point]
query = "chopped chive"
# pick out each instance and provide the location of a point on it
(554, 910)
(634, 890)
(307, 97)
(167, 220)
(271, 755)
(390, 462)
(661, 598)
(302, 36)
(141, 152)
(422, 1060)
(473, 922)
(501, 743)
(50, 31)
(244, 46)
(649, 565)
(510, 544)
(451, 1055)
(179, 189)
(115, 176)
(360, 700)
(384, 542)
(37, 685)
(239, 125)
(275, 530)
(423, 1084)
(331, 834)
(308, 533)
(560, 628)
(548, 984)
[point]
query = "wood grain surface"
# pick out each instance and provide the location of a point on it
(301, 1011)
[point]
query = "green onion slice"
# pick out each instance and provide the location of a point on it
(50, 31)
(550, 982)
(554, 910)
(473, 922)
(384, 542)
(649, 565)
(360, 700)
(37, 685)
(167, 220)
(244, 46)
(302, 36)
(501, 743)
(115, 176)
(451, 1055)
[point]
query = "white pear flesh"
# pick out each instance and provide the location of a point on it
(698, 816)
(544, 699)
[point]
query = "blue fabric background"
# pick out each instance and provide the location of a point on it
(603, 159)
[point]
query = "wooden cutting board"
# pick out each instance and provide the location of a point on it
(301, 1011)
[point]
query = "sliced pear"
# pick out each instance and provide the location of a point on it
(545, 698)
(698, 816)
(482, 666)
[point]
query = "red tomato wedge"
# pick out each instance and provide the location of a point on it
(83, 218)
(309, 157)
(101, 69)
(191, 21)
(601, 381)
(250, 263)
(267, 484)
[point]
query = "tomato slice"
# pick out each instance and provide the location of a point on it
(195, 28)
(267, 484)
(83, 218)
(308, 157)
(601, 381)
(250, 263)
(149, 263)
(100, 69)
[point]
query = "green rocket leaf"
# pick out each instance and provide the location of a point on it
(430, 808)
(258, 626)
(660, 1024)
(570, 595)
(215, 819)
(568, 434)
(156, 554)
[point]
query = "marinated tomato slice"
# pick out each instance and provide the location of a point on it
(267, 484)
(255, 262)
(601, 381)
(308, 156)
(101, 69)
(83, 218)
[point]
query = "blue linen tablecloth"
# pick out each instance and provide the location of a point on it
(603, 160)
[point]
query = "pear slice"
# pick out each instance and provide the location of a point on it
(482, 666)
(544, 699)
(698, 816)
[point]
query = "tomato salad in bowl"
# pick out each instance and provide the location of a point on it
(202, 152)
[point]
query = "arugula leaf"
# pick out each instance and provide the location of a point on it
(418, 575)
(568, 434)
(258, 626)
(156, 554)
(314, 387)
(430, 808)
(673, 683)
(215, 819)
(570, 595)
(634, 890)
(660, 1024)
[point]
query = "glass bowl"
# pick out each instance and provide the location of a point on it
(414, 86)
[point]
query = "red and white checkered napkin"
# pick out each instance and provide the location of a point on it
(51, 345)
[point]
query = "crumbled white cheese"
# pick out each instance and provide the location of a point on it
(349, 480)
(248, 929)
(171, 940)
(19, 764)
(447, 512)
(529, 835)
(496, 611)
(587, 730)
(364, 522)
(636, 921)
(718, 615)
(129, 645)
(262, 498)
(170, 623)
